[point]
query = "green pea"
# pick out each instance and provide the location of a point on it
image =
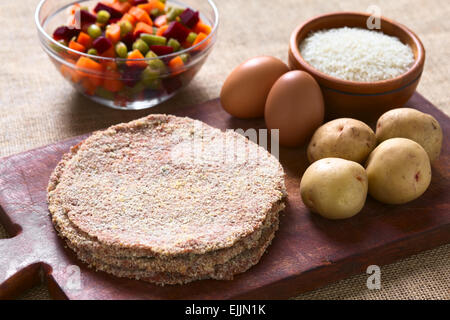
(125, 27)
(174, 44)
(121, 49)
(191, 37)
(151, 39)
(58, 48)
(148, 75)
(173, 13)
(103, 16)
(93, 52)
(137, 89)
(94, 31)
(155, 64)
(105, 94)
(155, 12)
(140, 45)
(153, 84)
(185, 57)
(151, 54)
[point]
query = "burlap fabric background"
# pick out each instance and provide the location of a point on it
(37, 107)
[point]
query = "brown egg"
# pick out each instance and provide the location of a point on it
(295, 106)
(245, 91)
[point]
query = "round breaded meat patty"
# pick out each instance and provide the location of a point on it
(221, 271)
(166, 185)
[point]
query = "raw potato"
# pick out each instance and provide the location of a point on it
(334, 188)
(344, 138)
(411, 124)
(399, 171)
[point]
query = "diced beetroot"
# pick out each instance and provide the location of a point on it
(137, 2)
(113, 20)
(65, 33)
(115, 14)
(177, 31)
(131, 75)
(166, 60)
(136, 34)
(101, 44)
(85, 18)
(189, 18)
(151, 94)
(172, 84)
(128, 39)
(161, 50)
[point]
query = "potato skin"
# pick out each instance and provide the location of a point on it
(411, 124)
(399, 171)
(334, 188)
(344, 138)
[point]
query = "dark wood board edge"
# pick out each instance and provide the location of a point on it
(21, 281)
(357, 264)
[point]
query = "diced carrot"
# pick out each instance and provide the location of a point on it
(110, 53)
(136, 54)
(109, 66)
(200, 37)
(152, 4)
(84, 39)
(120, 6)
(113, 32)
(186, 44)
(176, 63)
(140, 15)
(142, 27)
(201, 27)
(157, 4)
(76, 46)
(67, 56)
(161, 30)
(87, 63)
(91, 65)
(146, 7)
(112, 82)
(89, 86)
(69, 73)
(161, 20)
(96, 80)
(128, 17)
(70, 60)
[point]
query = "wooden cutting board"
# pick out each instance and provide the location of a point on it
(307, 252)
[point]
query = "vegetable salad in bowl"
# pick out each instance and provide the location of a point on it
(127, 54)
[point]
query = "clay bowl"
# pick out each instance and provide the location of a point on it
(359, 99)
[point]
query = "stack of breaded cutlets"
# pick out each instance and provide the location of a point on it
(168, 200)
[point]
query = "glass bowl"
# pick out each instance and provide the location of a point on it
(122, 83)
